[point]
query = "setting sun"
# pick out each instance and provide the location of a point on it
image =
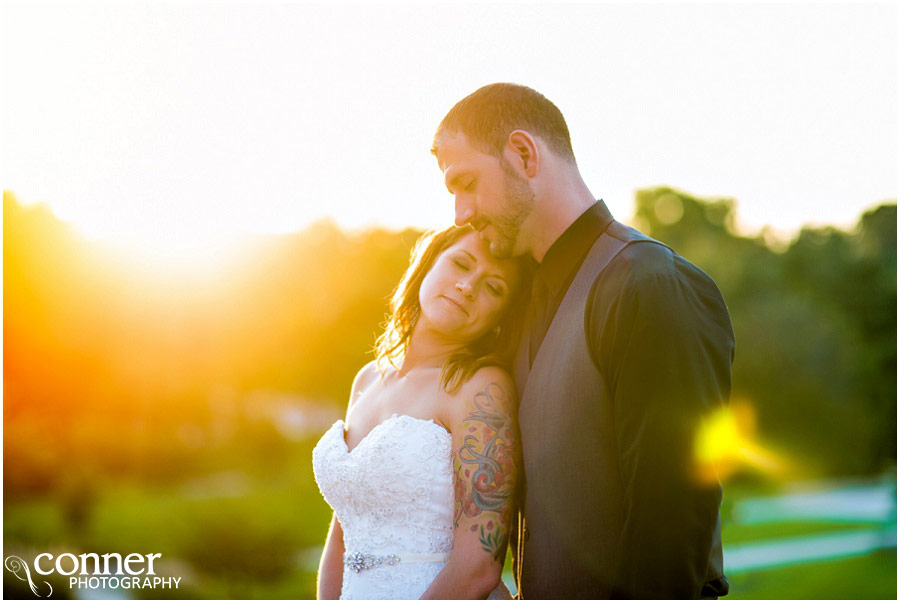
(171, 245)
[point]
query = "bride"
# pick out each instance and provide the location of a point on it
(421, 475)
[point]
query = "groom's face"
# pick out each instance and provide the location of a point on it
(488, 192)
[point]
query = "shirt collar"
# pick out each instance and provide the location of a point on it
(568, 251)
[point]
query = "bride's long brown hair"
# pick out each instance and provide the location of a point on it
(494, 348)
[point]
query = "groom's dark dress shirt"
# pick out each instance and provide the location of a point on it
(554, 274)
(613, 506)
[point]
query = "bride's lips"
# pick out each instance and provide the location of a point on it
(456, 303)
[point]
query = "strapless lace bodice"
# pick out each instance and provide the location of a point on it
(393, 494)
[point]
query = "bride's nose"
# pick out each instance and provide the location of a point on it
(465, 288)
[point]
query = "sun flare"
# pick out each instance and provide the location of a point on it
(726, 441)
(155, 243)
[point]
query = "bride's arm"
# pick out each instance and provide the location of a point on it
(331, 566)
(485, 453)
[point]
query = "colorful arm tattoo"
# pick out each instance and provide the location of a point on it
(485, 469)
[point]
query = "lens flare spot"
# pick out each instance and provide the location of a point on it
(726, 442)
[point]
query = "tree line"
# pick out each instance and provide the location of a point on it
(106, 368)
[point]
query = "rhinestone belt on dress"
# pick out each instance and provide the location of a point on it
(358, 562)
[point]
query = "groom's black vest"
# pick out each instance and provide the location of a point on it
(577, 504)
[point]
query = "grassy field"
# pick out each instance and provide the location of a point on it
(873, 576)
(235, 537)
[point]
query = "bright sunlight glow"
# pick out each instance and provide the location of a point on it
(726, 442)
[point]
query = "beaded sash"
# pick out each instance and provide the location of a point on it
(357, 561)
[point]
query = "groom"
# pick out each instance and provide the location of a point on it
(628, 348)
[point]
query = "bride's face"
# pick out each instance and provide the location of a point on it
(467, 289)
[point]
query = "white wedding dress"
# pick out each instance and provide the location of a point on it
(393, 495)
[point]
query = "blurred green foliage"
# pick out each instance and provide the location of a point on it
(174, 412)
(815, 325)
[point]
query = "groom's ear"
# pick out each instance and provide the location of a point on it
(522, 152)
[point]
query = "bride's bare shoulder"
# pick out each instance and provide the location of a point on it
(366, 376)
(488, 376)
(490, 387)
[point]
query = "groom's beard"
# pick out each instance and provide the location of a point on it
(517, 206)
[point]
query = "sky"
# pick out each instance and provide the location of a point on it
(181, 126)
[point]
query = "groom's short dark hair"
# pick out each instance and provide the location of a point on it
(487, 116)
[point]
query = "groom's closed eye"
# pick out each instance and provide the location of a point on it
(454, 182)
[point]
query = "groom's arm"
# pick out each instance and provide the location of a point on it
(665, 345)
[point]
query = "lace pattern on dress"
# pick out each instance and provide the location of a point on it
(393, 494)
